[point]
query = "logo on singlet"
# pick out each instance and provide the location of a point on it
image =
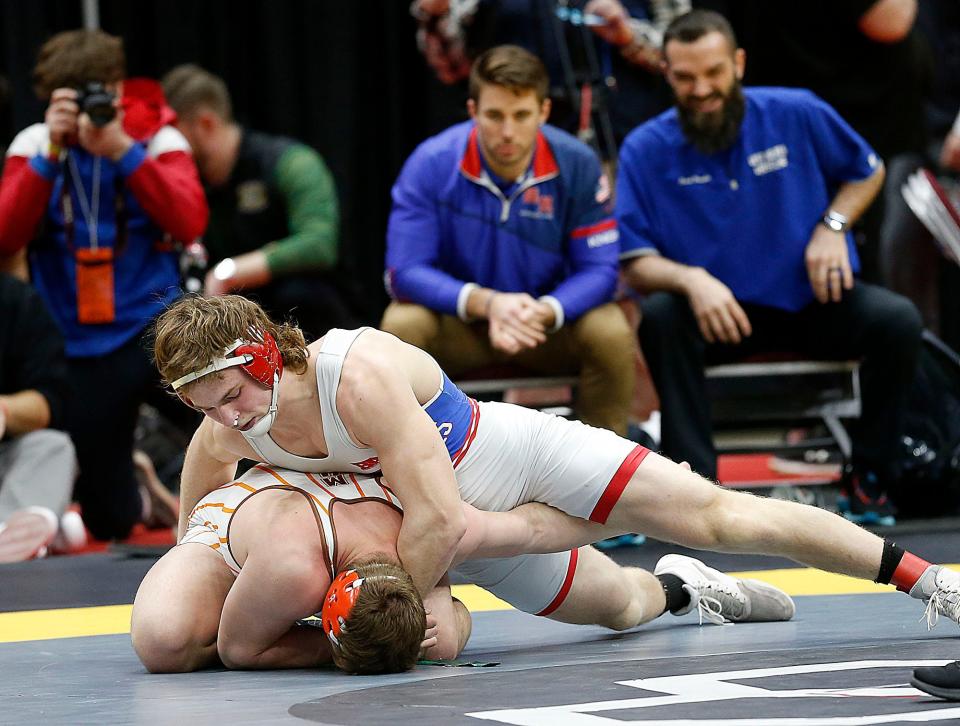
(367, 464)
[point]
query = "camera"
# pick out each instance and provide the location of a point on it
(97, 102)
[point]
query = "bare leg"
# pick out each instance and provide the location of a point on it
(176, 614)
(665, 501)
(604, 593)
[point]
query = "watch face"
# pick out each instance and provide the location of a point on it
(833, 224)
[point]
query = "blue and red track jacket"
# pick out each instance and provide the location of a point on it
(550, 234)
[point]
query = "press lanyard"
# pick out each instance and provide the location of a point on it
(90, 211)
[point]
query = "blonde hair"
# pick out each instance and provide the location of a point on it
(386, 626)
(194, 330)
(188, 87)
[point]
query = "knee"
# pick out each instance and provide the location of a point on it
(167, 646)
(663, 315)
(895, 322)
(605, 325)
(414, 324)
(623, 605)
(51, 444)
(739, 520)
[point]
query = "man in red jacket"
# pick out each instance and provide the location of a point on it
(101, 190)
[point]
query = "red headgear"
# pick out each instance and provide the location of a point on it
(260, 360)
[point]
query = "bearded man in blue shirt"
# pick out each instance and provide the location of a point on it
(734, 211)
(502, 247)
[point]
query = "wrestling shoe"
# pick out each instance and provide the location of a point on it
(939, 588)
(865, 502)
(720, 598)
(624, 540)
(27, 533)
(941, 681)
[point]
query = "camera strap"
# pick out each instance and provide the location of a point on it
(94, 265)
(91, 210)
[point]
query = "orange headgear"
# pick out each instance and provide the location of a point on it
(341, 597)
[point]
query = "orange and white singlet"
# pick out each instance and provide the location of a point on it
(209, 521)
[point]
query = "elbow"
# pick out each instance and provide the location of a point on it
(236, 655)
(456, 526)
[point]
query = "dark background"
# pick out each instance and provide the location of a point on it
(345, 77)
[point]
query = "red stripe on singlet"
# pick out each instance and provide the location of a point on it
(471, 435)
(565, 587)
(618, 483)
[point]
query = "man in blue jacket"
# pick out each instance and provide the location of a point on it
(501, 245)
(734, 210)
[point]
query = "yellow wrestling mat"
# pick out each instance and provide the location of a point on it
(115, 619)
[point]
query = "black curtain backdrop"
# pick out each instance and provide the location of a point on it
(345, 77)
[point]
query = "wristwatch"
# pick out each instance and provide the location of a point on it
(835, 221)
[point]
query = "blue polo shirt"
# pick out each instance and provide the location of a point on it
(747, 213)
(550, 234)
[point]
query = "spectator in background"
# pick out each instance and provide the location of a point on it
(603, 54)
(274, 219)
(102, 190)
(910, 262)
(501, 246)
(734, 211)
(37, 463)
(865, 58)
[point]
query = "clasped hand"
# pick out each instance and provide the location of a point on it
(517, 322)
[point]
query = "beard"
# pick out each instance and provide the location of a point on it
(717, 130)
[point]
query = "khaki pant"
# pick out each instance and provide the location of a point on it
(600, 347)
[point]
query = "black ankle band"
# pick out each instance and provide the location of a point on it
(677, 597)
(889, 561)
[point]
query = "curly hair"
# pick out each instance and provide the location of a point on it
(194, 330)
(76, 57)
(386, 625)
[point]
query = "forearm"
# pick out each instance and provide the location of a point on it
(427, 286)
(655, 273)
(300, 647)
(313, 248)
(313, 214)
(169, 190)
(25, 411)
(24, 194)
(853, 198)
(202, 473)
(585, 290)
(426, 547)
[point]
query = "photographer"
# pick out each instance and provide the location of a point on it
(102, 190)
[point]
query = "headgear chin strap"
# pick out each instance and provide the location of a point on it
(260, 360)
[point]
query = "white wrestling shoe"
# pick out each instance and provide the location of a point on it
(720, 598)
(939, 588)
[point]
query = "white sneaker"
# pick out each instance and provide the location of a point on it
(720, 598)
(939, 588)
(72, 535)
(26, 534)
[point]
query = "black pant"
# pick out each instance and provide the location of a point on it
(870, 323)
(101, 418)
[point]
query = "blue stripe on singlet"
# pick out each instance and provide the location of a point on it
(452, 413)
